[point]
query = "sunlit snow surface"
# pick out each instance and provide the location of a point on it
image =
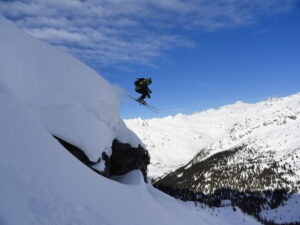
(71, 100)
(272, 125)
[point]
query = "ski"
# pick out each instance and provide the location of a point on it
(152, 108)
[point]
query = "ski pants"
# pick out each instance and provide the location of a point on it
(144, 93)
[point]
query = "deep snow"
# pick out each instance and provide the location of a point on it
(45, 92)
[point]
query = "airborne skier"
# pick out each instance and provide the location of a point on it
(141, 86)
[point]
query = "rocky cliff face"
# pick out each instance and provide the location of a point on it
(124, 158)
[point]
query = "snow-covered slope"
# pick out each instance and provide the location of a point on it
(72, 101)
(269, 130)
(287, 213)
(44, 92)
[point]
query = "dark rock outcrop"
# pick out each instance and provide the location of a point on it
(124, 158)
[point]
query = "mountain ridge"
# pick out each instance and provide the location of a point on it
(269, 129)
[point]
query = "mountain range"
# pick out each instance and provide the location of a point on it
(243, 155)
(242, 146)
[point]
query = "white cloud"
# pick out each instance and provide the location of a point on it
(57, 36)
(131, 31)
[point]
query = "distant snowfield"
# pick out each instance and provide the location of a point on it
(45, 92)
(272, 125)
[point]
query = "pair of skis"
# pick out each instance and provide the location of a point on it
(152, 108)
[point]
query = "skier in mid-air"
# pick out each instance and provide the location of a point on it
(141, 86)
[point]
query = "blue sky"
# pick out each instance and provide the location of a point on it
(200, 54)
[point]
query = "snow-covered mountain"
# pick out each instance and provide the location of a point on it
(245, 154)
(243, 146)
(46, 93)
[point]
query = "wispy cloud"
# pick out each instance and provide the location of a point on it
(131, 31)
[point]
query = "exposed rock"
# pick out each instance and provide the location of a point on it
(123, 159)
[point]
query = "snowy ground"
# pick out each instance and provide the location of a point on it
(44, 92)
(287, 213)
(224, 215)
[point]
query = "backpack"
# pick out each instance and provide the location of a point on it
(138, 81)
